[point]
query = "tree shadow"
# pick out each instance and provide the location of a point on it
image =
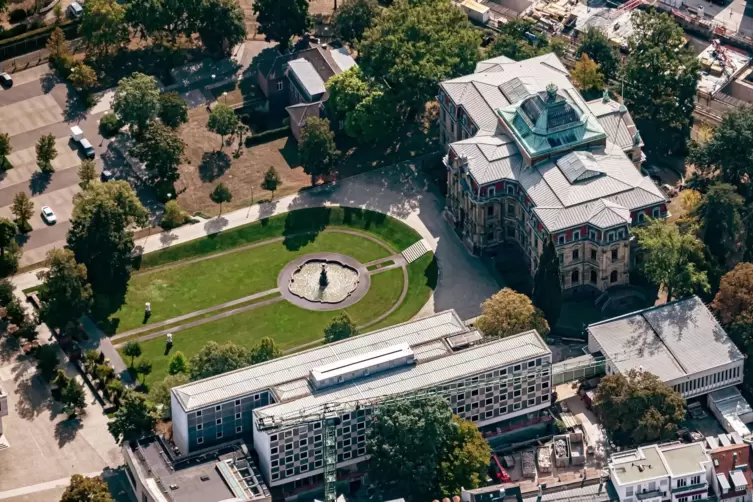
(303, 226)
(66, 430)
(167, 238)
(267, 209)
(22, 239)
(49, 81)
(39, 182)
(215, 225)
(9, 347)
(34, 397)
(213, 165)
(75, 108)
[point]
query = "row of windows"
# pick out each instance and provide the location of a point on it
(592, 235)
(317, 464)
(693, 498)
(502, 410)
(698, 383)
(593, 254)
(257, 397)
(219, 435)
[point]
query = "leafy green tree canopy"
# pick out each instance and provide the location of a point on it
(222, 26)
(178, 364)
(214, 359)
(281, 20)
(416, 44)
(508, 313)
(598, 47)
(354, 17)
(65, 293)
(317, 148)
(137, 101)
(103, 26)
(173, 110)
(720, 213)
(161, 149)
(223, 121)
(660, 84)
(83, 489)
(638, 407)
(340, 328)
(516, 40)
(135, 418)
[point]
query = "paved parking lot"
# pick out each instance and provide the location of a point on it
(37, 105)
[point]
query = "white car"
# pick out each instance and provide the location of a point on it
(48, 215)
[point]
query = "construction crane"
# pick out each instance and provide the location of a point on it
(329, 413)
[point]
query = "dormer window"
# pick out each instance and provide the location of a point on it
(510, 189)
(491, 192)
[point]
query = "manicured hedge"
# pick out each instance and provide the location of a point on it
(266, 136)
(19, 32)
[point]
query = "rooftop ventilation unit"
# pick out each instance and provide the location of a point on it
(364, 365)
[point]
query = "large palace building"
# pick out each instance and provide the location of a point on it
(529, 159)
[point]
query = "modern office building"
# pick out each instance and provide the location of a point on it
(672, 472)
(352, 376)
(681, 342)
(530, 160)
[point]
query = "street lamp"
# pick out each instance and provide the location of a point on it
(224, 95)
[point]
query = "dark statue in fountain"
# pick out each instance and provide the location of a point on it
(323, 281)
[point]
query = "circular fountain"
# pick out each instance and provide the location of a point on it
(324, 281)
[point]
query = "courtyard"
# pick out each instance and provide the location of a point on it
(224, 287)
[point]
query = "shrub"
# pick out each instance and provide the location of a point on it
(174, 216)
(109, 125)
(266, 136)
(47, 360)
(17, 15)
(36, 23)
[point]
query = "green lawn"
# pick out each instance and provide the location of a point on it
(194, 286)
(308, 222)
(288, 325)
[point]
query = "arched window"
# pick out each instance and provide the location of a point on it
(613, 276)
(575, 277)
(593, 277)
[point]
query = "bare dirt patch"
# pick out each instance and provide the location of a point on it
(206, 167)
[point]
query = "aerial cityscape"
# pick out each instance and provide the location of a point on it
(376, 250)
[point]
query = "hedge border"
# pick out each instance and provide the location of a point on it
(266, 136)
(65, 26)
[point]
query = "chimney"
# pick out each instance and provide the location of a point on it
(734, 459)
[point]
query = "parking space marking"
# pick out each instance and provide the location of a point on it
(25, 162)
(61, 202)
(30, 114)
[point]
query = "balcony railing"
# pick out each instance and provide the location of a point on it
(689, 488)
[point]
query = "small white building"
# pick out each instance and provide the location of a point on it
(681, 342)
(673, 472)
(731, 409)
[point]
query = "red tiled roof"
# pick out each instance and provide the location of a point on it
(725, 457)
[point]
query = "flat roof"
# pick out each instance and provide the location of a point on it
(286, 371)
(720, 69)
(452, 366)
(672, 341)
(685, 459)
(638, 465)
(200, 480)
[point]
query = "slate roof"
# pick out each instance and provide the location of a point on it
(600, 187)
(672, 341)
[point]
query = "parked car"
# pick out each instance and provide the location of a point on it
(48, 215)
(75, 10)
(106, 176)
(6, 80)
(77, 135)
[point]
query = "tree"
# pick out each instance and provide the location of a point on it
(660, 84)
(222, 121)
(178, 364)
(8, 231)
(281, 20)
(47, 360)
(735, 296)
(414, 45)
(23, 210)
(671, 258)
(508, 313)
(346, 90)
(83, 77)
(690, 199)
(728, 153)
(87, 172)
(638, 407)
(136, 101)
(46, 153)
(5, 149)
(73, 397)
(144, 368)
(6, 291)
(517, 42)
(173, 110)
(174, 216)
(100, 235)
(419, 450)
(60, 56)
(103, 26)
(271, 181)
(266, 350)
(161, 149)
(587, 75)
(65, 294)
(354, 17)
(221, 194)
(598, 47)
(160, 392)
(156, 18)
(134, 419)
(720, 214)
(83, 489)
(317, 148)
(547, 285)
(132, 350)
(340, 328)
(214, 359)
(222, 26)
